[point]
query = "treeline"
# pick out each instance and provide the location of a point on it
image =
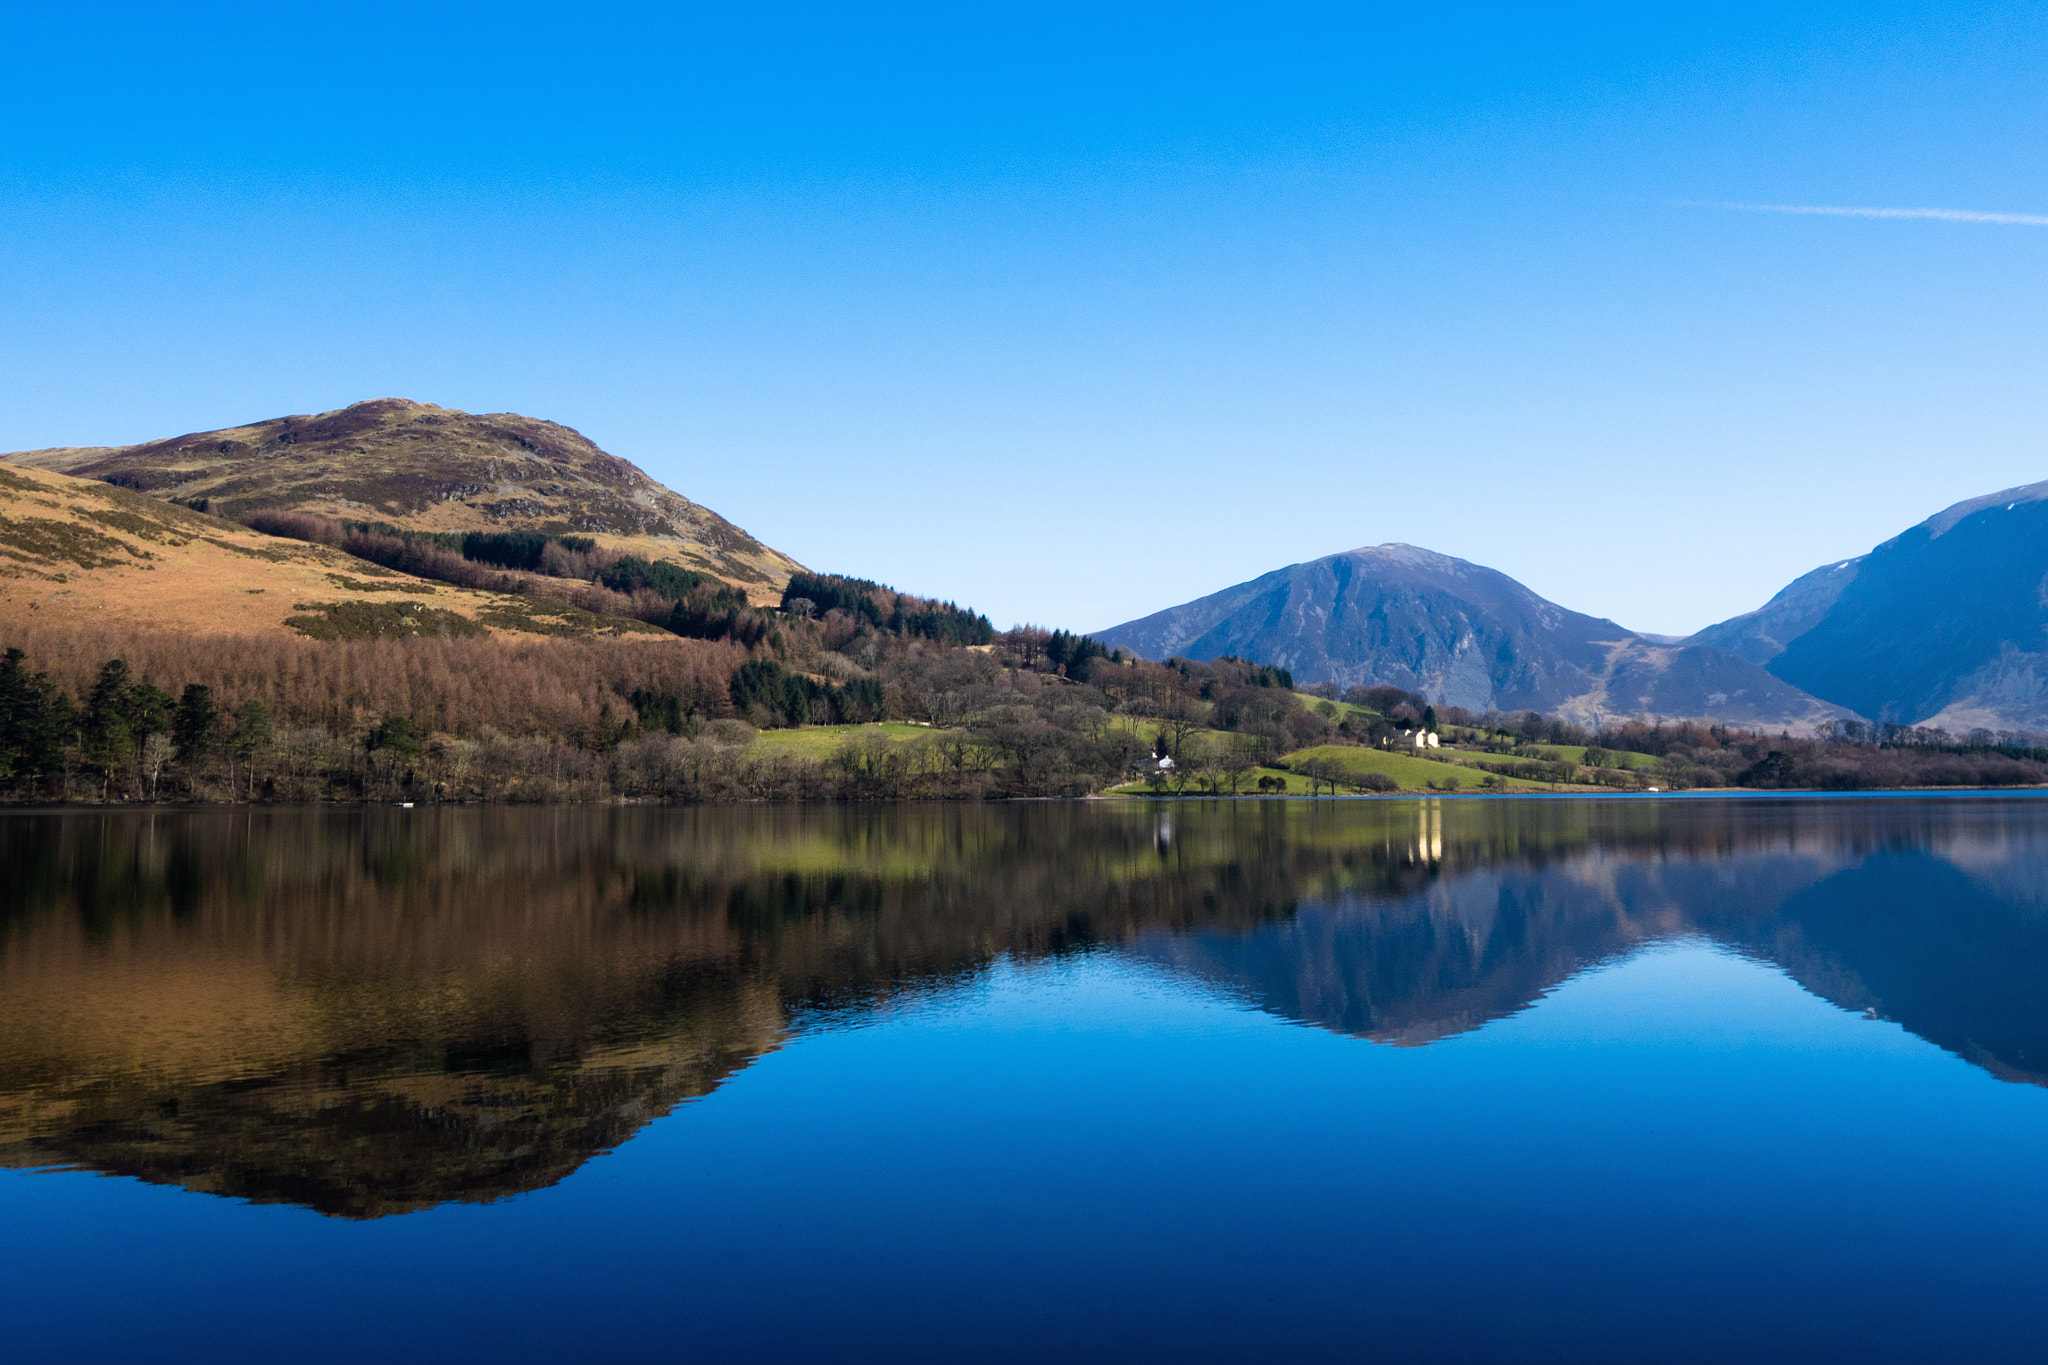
(93, 715)
(607, 582)
(572, 569)
(108, 714)
(1852, 757)
(882, 608)
(459, 686)
(1848, 756)
(563, 556)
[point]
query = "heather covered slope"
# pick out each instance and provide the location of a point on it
(426, 468)
(76, 552)
(1464, 635)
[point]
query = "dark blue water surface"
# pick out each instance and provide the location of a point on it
(1630, 1080)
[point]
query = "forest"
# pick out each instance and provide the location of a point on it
(111, 715)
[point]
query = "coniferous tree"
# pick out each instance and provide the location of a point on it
(107, 739)
(399, 735)
(252, 733)
(149, 711)
(252, 727)
(195, 729)
(35, 716)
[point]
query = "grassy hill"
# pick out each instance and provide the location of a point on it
(819, 743)
(1412, 773)
(79, 552)
(424, 468)
(1441, 770)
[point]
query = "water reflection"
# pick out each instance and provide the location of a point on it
(373, 1012)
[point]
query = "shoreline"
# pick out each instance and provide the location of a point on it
(1697, 794)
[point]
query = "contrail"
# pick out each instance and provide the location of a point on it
(1945, 215)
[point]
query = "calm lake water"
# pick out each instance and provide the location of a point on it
(1624, 1080)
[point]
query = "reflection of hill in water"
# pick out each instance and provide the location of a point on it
(1933, 915)
(1470, 946)
(1911, 937)
(372, 1012)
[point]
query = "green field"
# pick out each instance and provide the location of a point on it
(822, 741)
(1478, 755)
(1411, 772)
(1296, 785)
(1567, 753)
(1620, 758)
(1338, 711)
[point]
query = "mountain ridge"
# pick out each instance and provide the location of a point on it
(80, 552)
(1943, 625)
(422, 467)
(1464, 635)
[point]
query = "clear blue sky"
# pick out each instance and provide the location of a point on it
(1076, 313)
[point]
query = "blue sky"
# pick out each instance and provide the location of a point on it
(1075, 313)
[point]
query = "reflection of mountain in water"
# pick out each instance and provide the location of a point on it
(1931, 915)
(389, 1141)
(1411, 970)
(1472, 946)
(1913, 938)
(368, 1013)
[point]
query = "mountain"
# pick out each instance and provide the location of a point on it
(1464, 635)
(426, 468)
(1945, 624)
(79, 552)
(1761, 635)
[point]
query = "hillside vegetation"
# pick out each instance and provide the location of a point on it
(419, 467)
(421, 639)
(77, 552)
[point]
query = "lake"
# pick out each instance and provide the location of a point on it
(1640, 1079)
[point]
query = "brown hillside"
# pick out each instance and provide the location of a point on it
(427, 468)
(75, 552)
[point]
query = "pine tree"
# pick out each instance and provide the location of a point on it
(149, 711)
(399, 735)
(252, 733)
(195, 729)
(35, 716)
(252, 727)
(108, 739)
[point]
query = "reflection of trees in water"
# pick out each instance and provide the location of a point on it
(368, 1011)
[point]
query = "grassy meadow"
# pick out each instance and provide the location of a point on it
(1412, 772)
(819, 742)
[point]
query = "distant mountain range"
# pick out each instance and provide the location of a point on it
(1463, 635)
(1944, 625)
